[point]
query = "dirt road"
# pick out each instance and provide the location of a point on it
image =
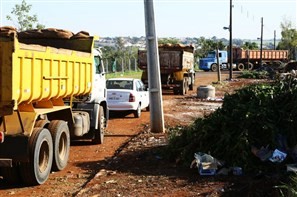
(86, 160)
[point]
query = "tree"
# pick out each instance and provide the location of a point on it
(21, 14)
(250, 45)
(120, 54)
(205, 45)
(289, 38)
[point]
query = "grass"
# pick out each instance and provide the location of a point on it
(128, 74)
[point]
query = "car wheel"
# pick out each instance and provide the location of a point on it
(137, 112)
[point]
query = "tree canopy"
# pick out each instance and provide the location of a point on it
(289, 38)
(20, 15)
(206, 45)
(250, 45)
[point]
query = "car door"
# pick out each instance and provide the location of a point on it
(143, 94)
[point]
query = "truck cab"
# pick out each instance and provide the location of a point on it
(210, 61)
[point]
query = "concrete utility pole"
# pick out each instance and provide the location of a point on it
(218, 63)
(274, 37)
(230, 43)
(261, 44)
(153, 66)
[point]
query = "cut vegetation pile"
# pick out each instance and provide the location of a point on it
(255, 117)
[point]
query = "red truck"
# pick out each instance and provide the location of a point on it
(249, 59)
(244, 59)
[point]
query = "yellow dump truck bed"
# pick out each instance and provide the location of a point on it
(31, 73)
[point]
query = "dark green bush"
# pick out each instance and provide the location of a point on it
(253, 116)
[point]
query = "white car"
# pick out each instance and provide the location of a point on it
(127, 94)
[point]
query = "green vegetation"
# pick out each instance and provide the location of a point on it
(254, 74)
(255, 116)
(25, 21)
(206, 45)
(250, 45)
(129, 74)
(289, 38)
(289, 189)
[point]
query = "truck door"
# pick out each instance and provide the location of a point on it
(99, 79)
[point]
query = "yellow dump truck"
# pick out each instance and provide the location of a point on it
(52, 91)
(176, 67)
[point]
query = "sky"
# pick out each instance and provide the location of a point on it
(173, 18)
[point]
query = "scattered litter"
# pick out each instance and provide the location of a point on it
(237, 171)
(263, 153)
(111, 181)
(278, 156)
(292, 168)
(206, 164)
(215, 99)
(223, 171)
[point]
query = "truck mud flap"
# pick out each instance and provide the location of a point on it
(14, 148)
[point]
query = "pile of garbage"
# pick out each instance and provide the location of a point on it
(254, 129)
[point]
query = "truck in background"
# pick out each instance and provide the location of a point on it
(176, 67)
(244, 59)
(210, 61)
(52, 91)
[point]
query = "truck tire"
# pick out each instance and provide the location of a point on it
(192, 78)
(100, 131)
(37, 170)
(214, 67)
(61, 141)
(250, 66)
(184, 86)
(41, 123)
(240, 67)
(137, 112)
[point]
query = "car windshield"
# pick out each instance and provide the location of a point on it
(119, 84)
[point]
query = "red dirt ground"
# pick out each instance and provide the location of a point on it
(128, 163)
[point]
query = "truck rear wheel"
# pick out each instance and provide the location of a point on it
(192, 78)
(41, 123)
(99, 132)
(61, 142)
(184, 86)
(37, 170)
(250, 66)
(240, 67)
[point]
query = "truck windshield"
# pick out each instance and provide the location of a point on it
(211, 55)
(98, 66)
